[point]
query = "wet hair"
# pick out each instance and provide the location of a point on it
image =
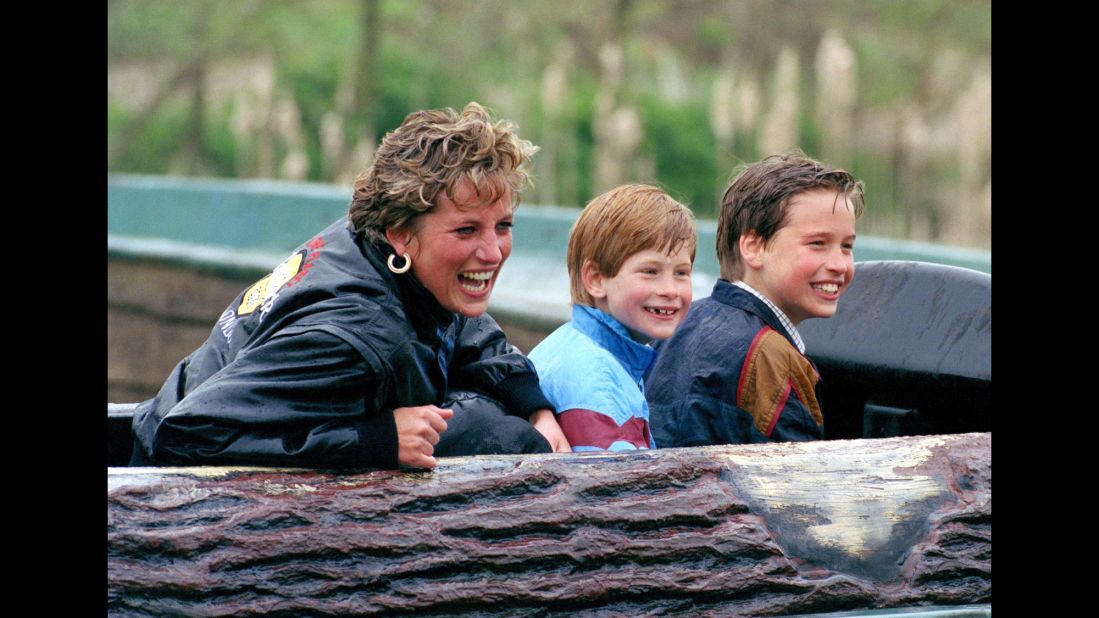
(757, 200)
(620, 223)
(433, 151)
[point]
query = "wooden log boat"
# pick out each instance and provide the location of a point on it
(749, 530)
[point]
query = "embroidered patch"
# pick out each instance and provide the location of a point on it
(315, 247)
(262, 294)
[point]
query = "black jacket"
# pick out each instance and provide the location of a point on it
(305, 367)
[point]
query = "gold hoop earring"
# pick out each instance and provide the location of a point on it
(401, 269)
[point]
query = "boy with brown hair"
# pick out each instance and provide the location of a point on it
(735, 371)
(629, 258)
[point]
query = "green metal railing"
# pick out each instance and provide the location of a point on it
(248, 226)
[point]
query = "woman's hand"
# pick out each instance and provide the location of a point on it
(546, 424)
(418, 429)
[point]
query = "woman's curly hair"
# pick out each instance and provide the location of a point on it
(436, 150)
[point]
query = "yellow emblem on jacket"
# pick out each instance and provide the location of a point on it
(265, 289)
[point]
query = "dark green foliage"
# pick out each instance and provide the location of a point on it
(220, 148)
(152, 153)
(679, 137)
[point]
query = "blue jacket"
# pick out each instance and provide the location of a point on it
(731, 375)
(591, 371)
(305, 367)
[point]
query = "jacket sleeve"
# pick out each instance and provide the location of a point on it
(777, 389)
(705, 397)
(796, 424)
(484, 361)
(698, 418)
(302, 398)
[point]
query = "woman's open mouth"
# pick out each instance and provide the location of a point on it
(475, 282)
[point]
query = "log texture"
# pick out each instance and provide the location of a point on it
(758, 530)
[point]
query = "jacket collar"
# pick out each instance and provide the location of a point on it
(727, 293)
(427, 316)
(613, 337)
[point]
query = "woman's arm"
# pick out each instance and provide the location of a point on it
(304, 398)
(484, 361)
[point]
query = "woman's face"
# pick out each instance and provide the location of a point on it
(457, 250)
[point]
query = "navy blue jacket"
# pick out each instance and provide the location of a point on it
(305, 367)
(731, 375)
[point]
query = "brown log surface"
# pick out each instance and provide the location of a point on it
(769, 529)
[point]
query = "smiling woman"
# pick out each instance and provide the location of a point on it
(369, 346)
(458, 249)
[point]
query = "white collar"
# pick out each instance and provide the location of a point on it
(786, 323)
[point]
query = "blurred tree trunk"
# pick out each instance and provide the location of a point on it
(837, 94)
(616, 124)
(364, 107)
(193, 153)
(192, 157)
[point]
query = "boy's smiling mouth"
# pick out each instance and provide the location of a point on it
(827, 288)
(662, 311)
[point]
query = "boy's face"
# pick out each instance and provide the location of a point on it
(810, 261)
(650, 294)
